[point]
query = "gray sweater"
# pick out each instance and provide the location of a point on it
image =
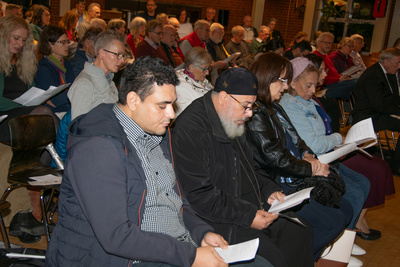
(90, 89)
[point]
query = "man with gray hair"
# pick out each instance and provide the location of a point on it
(339, 86)
(236, 44)
(94, 11)
(358, 41)
(263, 35)
(196, 38)
(377, 97)
(169, 45)
(94, 85)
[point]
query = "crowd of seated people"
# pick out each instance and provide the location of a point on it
(287, 127)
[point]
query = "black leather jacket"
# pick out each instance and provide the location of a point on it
(267, 138)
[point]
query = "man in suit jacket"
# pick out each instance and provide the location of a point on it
(377, 96)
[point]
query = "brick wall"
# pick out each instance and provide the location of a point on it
(289, 24)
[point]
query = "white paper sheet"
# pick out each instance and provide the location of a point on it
(232, 57)
(48, 179)
(240, 252)
(36, 96)
(338, 153)
(290, 200)
(361, 132)
(2, 118)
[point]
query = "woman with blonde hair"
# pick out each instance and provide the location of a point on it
(300, 36)
(17, 71)
(137, 29)
(18, 65)
(40, 19)
(68, 22)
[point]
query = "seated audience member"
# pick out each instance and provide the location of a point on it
(196, 38)
(215, 42)
(18, 66)
(274, 45)
(330, 105)
(94, 84)
(98, 23)
(150, 13)
(150, 46)
(137, 29)
(274, 34)
(110, 166)
(341, 58)
(210, 15)
(94, 11)
(175, 23)
(236, 44)
(40, 19)
(250, 32)
(301, 49)
(68, 23)
(13, 9)
(263, 35)
(214, 165)
(377, 97)
(185, 27)
(314, 40)
(118, 25)
(300, 36)
(53, 68)
(169, 45)
(80, 11)
(163, 18)
(310, 122)
(193, 81)
(85, 51)
(358, 42)
(339, 86)
(270, 134)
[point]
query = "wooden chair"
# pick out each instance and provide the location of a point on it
(389, 141)
(4, 206)
(30, 134)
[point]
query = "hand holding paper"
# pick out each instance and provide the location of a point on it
(240, 252)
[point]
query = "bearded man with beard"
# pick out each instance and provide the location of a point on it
(215, 168)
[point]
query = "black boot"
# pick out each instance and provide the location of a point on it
(24, 222)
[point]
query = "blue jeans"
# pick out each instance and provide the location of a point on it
(357, 190)
(257, 262)
(341, 89)
(327, 223)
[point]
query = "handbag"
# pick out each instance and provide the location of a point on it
(339, 253)
(327, 191)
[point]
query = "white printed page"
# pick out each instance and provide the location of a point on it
(337, 153)
(361, 132)
(290, 200)
(240, 252)
(232, 57)
(48, 179)
(29, 95)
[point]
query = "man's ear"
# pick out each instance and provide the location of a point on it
(132, 100)
(223, 97)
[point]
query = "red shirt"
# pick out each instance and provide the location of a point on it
(332, 74)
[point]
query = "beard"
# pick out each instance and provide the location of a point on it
(232, 129)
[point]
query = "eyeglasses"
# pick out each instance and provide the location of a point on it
(159, 33)
(203, 69)
(254, 107)
(118, 55)
(284, 81)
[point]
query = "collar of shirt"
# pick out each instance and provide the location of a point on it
(133, 131)
(151, 43)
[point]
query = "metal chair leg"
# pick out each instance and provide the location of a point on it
(9, 189)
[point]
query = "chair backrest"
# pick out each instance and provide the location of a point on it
(31, 131)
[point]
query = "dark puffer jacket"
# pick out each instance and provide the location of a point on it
(102, 202)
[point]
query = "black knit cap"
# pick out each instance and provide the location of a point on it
(237, 81)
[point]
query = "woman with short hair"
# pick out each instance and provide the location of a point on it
(341, 57)
(194, 83)
(53, 68)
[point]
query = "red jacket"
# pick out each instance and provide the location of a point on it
(194, 40)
